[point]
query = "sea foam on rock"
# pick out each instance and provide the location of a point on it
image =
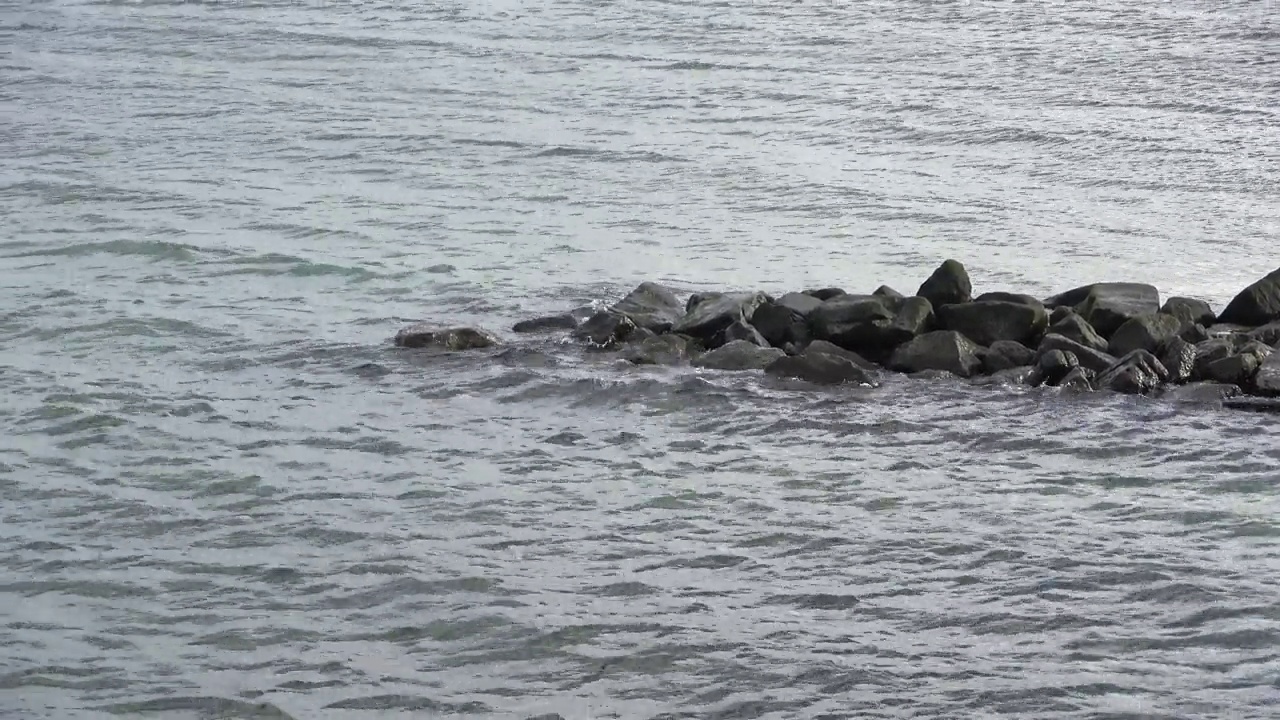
(1106, 336)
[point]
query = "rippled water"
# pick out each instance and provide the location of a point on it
(225, 495)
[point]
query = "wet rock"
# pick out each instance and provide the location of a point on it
(1078, 379)
(1194, 334)
(739, 330)
(1178, 357)
(1006, 378)
(938, 350)
(822, 368)
(547, 323)
(1253, 404)
(1267, 379)
(1257, 304)
(1143, 332)
(666, 349)
(738, 355)
(886, 291)
(1199, 392)
(1189, 310)
(786, 320)
(822, 346)
(1072, 326)
(1107, 306)
(606, 329)
(1055, 364)
(947, 285)
(441, 269)
(1137, 373)
(1211, 351)
(1011, 297)
(1057, 314)
(1087, 357)
(1241, 367)
(1006, 354)
(871, 325)
(825, 293)
(991, 321)
(714, 314)
(934, 375)
(697, 299)
(457, 338)
(651, 306)
(1268, 334)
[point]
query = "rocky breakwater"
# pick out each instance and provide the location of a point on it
(1109, 336)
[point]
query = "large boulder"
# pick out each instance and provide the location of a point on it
(886, 291)
(871, 325)
(822, 368)
(822, 346)
(1078, 379)
(1211, 351)
(1269, 334)
(1189, 310)
(1072, 326)
(1001, 296)
(1257, 304)
(1139, 372)
(938, 350)
(739, 330)
(785, 321)
(606, 329)
(1108, 305)
(1238, 369)
(651, 306)
(738, 355)
(1054, 365)
(666, 349)
(947, 285)
(1194, 334)
(1266, 381)
(424, 335)
(715, 313)
(546, 323)
(990, 321)
(1178, 357)
(1006, 354)
(1143, 332)
(698, 298)
(1087, 356)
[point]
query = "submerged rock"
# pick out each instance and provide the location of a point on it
(938, 350)
(715, 314)
(1189, 310)
(949, 284)
(1257, 304)
(651, 306)
(667, 349)
(564, 321)
(738, 355)
(457, 338)
(1107, 306)
(1199, 392)
(822, 346)
(1078, 379)
(606, 329)
(1143, 332)
(822, 368)
(990, 321)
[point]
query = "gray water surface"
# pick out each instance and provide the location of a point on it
(223, 494)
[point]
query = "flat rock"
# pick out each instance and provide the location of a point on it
(1257, 304)
(1072, 326)
(1199, 392)
(666, 349)
(1006, 354)
(456, 338)
(1137, 373)
(715, 313)
(546, 323)
(1108, 305)
(947, 285)
(822, 368)
(798, 302)
(606, 329)
(989, 321)
(1088, 357)
(651, 306)
(1143, 332)
(738, 355)
(1019, 298)
(938, 350)
(1189, 310)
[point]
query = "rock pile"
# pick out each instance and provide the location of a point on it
(1105, 336)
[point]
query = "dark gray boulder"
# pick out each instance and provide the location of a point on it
(1055, 364)
(1143, 332)
(606, 329)
(1088, 357)
(547, 323)
(871, 325)
(1078, 379)
(1266, 381)
(799, 302)
(1189, 310)
(989, 321)
(822, 346)
(999, 296)
(651, 306)
(822, 368)
(739, 330)
(825, 293)
(698, 298)
(1108, 305)
(785, 321)
(1178, 357)
(1007, 378)
(1211, 351)
(423, 335)
(1257, 304)
(1137, 373)
(1238, 369)
(715, 313)
(666, 349)
(886, 291)
(1269, 334)
(1253, 404)
(1194, 334)
(947, 285)
(938, 350)
(1072, 326)
(1199, 392)
(1006, 354)
(1057, 314)
(738, 355)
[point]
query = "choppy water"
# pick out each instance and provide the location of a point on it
(225, 495)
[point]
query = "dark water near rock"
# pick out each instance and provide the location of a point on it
(225, 495)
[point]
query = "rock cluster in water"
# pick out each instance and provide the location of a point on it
(1105, 336)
